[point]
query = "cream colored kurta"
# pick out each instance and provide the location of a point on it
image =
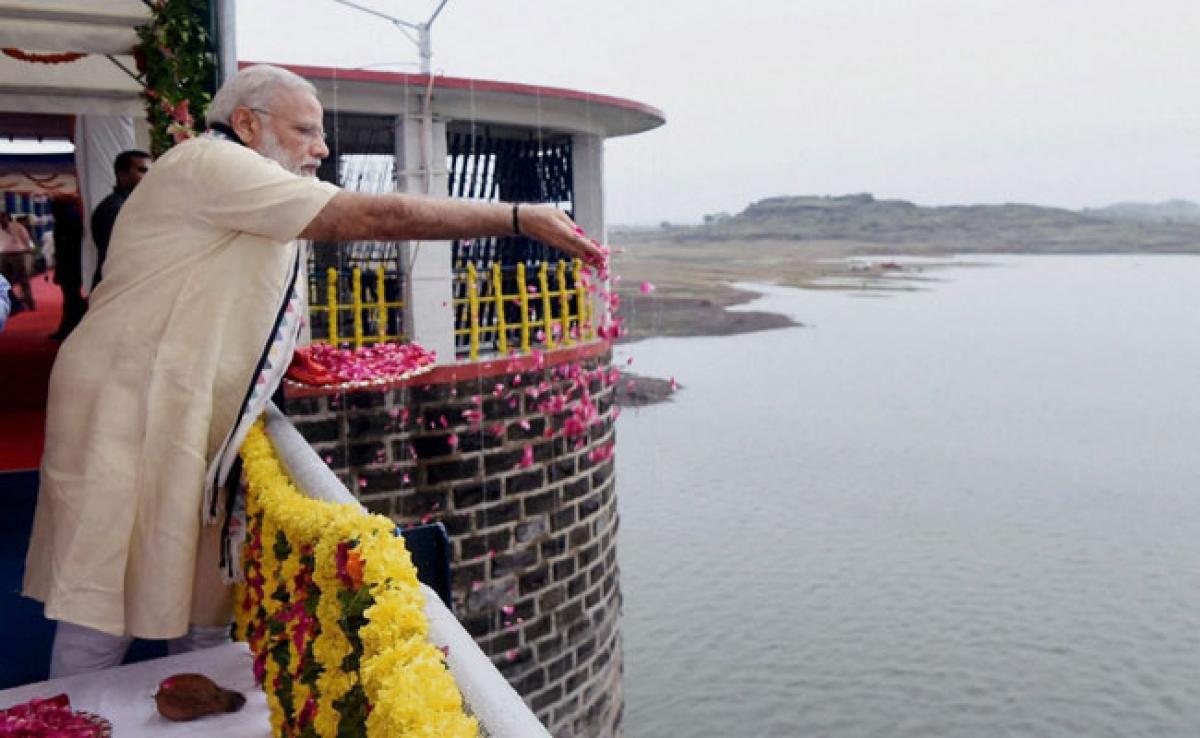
(145, 390)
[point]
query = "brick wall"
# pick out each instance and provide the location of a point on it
(531, 512)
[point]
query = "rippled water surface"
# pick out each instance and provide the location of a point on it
(967, 510)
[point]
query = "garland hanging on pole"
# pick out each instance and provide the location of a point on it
(174, 58)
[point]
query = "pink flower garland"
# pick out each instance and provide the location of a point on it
(51, 718)
(381, 361)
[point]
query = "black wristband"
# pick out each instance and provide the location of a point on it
(516, 219)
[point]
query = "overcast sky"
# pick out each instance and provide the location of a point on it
(1057, 102)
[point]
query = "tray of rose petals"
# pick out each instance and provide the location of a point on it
(324, 366)
(51, 718)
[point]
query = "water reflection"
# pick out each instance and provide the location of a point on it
(967, 510)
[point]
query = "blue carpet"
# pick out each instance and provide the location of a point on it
(25, 635)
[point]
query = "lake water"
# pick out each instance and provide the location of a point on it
(967, 510)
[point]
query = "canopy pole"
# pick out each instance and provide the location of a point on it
(226, 40)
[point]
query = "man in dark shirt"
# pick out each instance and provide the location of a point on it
(68, 270)
(130, 167)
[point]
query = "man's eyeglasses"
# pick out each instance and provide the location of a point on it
(313, 133)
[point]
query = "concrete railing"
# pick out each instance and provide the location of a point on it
(489, 697)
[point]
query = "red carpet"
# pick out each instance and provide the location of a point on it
(26, 355)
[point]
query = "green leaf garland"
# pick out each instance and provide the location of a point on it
(175, 58)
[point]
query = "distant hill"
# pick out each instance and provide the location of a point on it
(862, 224)
(1161, 212)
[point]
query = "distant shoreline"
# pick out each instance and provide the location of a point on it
(696, 308)
(702, 309)
(853, 242)
(652, 316)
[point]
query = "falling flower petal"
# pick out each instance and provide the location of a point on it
(526, 457)
(601, 453)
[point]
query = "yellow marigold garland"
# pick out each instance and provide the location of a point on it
(332, 610)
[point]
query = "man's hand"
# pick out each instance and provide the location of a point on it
(552, 227)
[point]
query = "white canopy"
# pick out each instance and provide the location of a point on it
(90, 85)
(93, 84)
(88, 26)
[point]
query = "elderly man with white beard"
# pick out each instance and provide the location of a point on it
(184, 341)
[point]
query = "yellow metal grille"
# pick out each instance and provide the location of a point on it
(554, 311)
(549, 311)
(369, 320)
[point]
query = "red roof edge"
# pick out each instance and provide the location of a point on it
(465, 83)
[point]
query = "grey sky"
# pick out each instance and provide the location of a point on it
(1059, 102)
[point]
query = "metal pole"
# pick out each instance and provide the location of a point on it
(437, 12)
(425, 45)
(376, 13)
(226, 41)
(424, 39)
(426, 33)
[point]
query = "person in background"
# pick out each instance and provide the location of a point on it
(16, 258)
(5, 302)
(48, 248)
(37, 257)
(68, 274)
(129, 167)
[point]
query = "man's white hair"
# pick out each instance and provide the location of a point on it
(253, 87)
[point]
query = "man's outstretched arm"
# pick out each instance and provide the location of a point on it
(353, 216)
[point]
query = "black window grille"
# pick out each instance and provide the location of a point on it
(484, 162)
(511, 165)
(361, 159)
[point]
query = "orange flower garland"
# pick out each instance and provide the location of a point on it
(333, 612)
(36, 58)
